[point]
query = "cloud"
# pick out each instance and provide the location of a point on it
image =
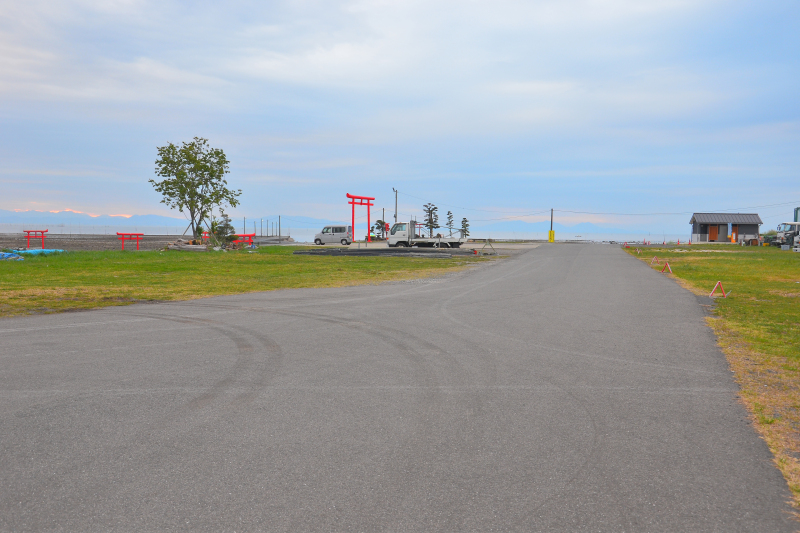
(349, 68)
(516, 100)
(58, 172)
(64, 49)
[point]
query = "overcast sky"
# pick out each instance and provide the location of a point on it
(490, 109)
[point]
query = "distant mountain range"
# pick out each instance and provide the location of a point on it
(69, 217)
(47, 218)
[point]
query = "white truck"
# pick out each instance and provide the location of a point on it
(787, 232)
(411, 234)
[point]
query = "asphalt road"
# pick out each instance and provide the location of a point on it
(569, 388)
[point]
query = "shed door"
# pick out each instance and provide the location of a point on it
(712, 232)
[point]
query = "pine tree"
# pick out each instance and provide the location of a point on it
(450, 222)
(431, 217)
(380, 227)
(222, 229)
(464, 227)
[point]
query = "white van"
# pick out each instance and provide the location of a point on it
(335, 234)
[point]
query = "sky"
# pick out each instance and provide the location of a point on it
(621, 113)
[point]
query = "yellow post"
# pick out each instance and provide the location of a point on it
(552, 236)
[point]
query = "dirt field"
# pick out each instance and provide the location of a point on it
(74, 243)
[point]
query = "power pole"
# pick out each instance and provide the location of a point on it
(279, 229)
(395, 205)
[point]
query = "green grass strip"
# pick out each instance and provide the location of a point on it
(83, 280)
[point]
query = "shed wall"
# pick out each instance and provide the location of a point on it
(700, 232)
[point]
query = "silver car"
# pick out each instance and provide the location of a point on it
(335, 234)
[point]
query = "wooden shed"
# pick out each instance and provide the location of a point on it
(725, 227)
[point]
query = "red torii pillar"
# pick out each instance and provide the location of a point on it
(362, 200)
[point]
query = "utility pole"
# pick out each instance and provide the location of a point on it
(262, 228)
(383, 222)
(279, 229)
(244, 225)
(395, 205)
(552, 236)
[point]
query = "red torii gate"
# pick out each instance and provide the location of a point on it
(362, 200)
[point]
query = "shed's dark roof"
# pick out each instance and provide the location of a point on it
(726, 218)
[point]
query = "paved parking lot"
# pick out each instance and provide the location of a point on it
(567, 388)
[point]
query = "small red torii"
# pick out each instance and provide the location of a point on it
(362, 200)
(36, 234)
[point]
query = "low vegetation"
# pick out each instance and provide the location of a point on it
(758, 329)
(83, 280)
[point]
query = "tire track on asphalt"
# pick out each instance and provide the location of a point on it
(147, 446)
(420, 448)
(417, 449)
(263, 370)
(427, 454)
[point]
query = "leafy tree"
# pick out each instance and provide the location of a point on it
(450, 222)
(194, 180)
(464, 227)
(431, 217)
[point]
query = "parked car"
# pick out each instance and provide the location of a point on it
(335, 235)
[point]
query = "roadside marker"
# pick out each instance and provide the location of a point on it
(655, 260)
(666, 266)
(719, 284)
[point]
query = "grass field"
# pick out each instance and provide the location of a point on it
(82, 280)
(758, 328)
